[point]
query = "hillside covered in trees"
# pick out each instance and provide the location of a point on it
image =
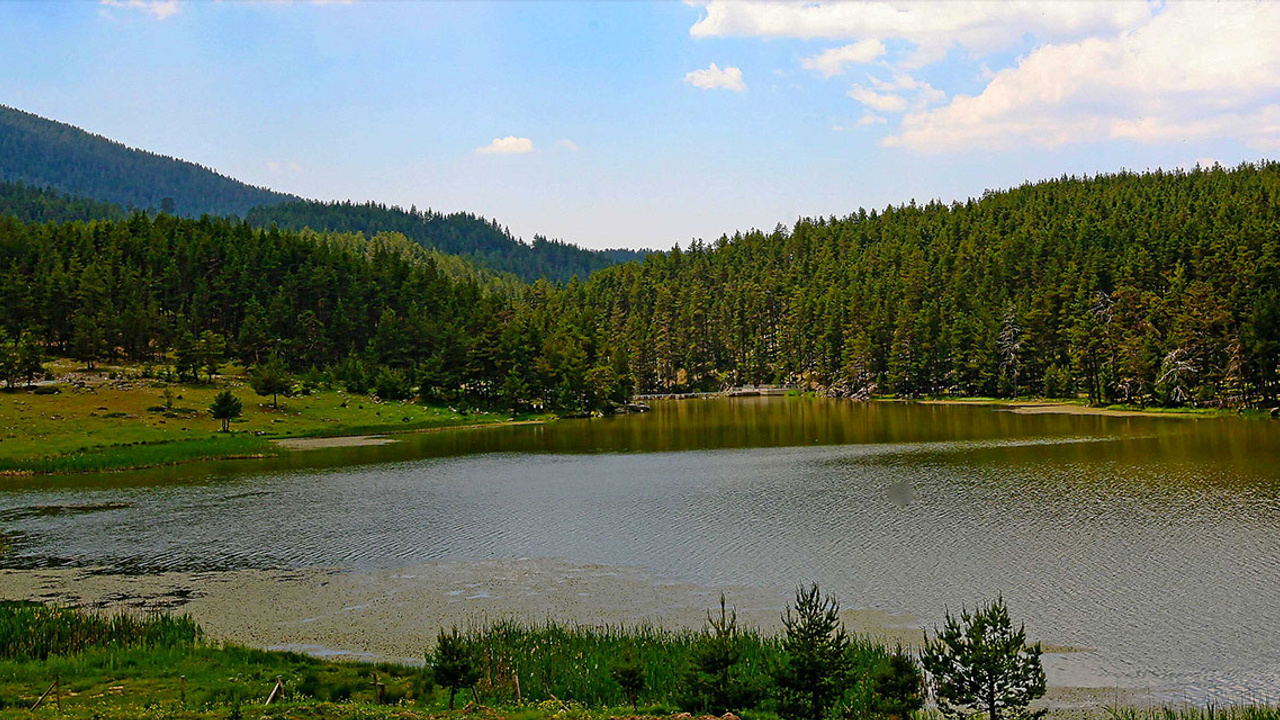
(42, 152)
(471, 236)
(51, 171)
(1159, 288)
(1156, 288)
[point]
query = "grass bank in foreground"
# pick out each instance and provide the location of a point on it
(113, 419)
(109, 667)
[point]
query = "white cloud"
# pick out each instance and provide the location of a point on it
(884, 102)
(892, 95)
(832, 62)
(158, 9)
(1196, 71)
(509, 145)
(729, 78)
(868, 119)
(932, 27)
(567, 144)
(278, 166)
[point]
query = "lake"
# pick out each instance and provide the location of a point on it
(1150, 544)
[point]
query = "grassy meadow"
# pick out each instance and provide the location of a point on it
(116, 418)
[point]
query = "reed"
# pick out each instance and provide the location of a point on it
(572, 663)
(36, 632)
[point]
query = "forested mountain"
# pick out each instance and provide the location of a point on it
(43, 204)
(42, 152)
(38, 152)
(463, 234)
(1147, 288)
(1154, 288)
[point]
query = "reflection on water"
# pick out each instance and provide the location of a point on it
(1152, 542)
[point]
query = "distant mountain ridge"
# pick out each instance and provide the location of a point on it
(63, 169)
(43, 152)
(465, 234)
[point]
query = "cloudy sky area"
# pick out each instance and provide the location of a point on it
(627, 124)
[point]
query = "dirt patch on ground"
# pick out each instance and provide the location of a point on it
(321, 443)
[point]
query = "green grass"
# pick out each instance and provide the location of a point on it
(112, 667)
(106, 425)
(29, 631)
(562, 662)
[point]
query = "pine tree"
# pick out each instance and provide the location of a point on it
(979, 662)
(714, 682)
(452, 664)
(225, 407)
(271, 378)
(629, 674)
(897, 686)
(817, 668)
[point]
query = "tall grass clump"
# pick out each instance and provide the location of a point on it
(30, 631)
(556, 661)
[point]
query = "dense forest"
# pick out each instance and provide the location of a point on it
(1160, 288)
(373, 315)
(51, 171)
(44, 204)
(43, 152)
(471, 236)
(1143, 288)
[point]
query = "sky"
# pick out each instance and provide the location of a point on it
(630, 124)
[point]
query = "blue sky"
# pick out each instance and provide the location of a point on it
(634, 124)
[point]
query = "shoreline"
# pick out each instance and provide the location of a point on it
(249, 445)
(393, 614)
(365, 437)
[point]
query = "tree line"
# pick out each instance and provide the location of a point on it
(486, 242)
(1157, 288)
(375, 314)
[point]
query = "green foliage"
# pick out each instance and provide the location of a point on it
(979, 662)
(271, 378)
(453, 664)
(629, 674)
(225, 407)
(482, 241)
(35, 204)
(20, 359)
(391, 385)
(1136, 288)
(36, 632)
(817, 666)
(572, 662)
(897, 686)
(42, 152)
(715, 681)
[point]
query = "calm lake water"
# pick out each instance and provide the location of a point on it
(1151, 543)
